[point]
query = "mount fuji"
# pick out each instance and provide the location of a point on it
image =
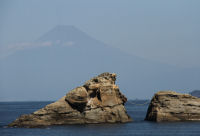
(65, 57)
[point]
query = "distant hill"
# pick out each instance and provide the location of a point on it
(65, 57)
(195, 93)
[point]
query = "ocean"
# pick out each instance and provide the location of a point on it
(9, 111)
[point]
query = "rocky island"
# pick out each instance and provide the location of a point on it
(99, 100)
(172, 106)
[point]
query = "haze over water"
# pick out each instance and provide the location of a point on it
(48, 48)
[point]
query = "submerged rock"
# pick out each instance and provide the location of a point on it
(99, 100)
(172, 106)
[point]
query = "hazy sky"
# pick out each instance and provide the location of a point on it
(166, 31)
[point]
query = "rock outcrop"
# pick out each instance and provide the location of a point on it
(172, 106)
(99, 100)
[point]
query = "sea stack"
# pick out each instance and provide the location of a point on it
(99, 100)
(171, 106)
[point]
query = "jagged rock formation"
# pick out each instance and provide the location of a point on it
(99, 100)
(172, 106)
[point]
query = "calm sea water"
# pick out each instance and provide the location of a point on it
(9, 111)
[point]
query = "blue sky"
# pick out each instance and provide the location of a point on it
(165, 31)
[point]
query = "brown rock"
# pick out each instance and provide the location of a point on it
(172, 106)
(77, 98)
(99, 100)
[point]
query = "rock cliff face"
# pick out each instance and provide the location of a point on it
(99, 100)
(172, 106)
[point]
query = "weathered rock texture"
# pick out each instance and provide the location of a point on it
(172, 106)
(99, 100)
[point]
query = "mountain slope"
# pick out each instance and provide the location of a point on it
(70, 56)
